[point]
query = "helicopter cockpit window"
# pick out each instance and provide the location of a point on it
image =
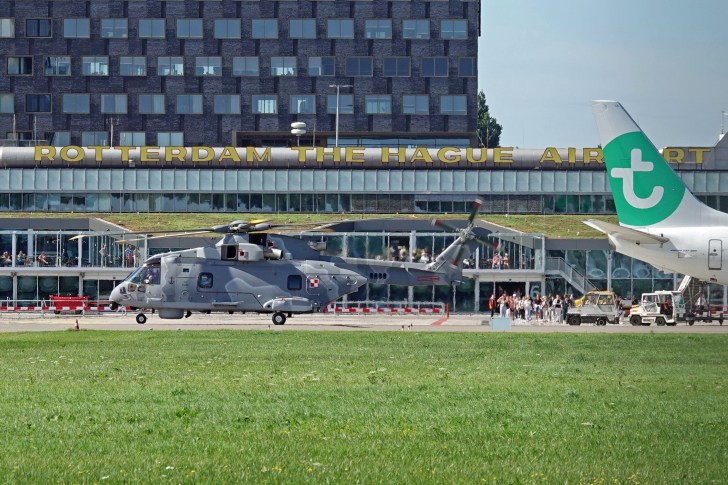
(295, 282)
(136, 276)
(151, 275)
(204, 280)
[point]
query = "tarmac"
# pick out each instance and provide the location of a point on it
(36, 322)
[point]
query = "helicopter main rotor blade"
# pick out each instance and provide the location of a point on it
(477, 203)
(191, 233)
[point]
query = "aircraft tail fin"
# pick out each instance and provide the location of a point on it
(647, 191)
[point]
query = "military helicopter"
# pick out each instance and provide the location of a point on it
(250, 270)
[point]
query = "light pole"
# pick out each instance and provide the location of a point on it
(338, 86)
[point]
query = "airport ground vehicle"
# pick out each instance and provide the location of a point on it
(598, 307)
(660, 307)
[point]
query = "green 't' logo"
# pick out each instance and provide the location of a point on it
(646, 190)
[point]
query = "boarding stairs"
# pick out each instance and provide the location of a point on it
(690, 288)
(559, 266)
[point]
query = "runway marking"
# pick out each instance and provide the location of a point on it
(440, 321)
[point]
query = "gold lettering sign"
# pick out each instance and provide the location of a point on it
(503, 155)
(327, 157)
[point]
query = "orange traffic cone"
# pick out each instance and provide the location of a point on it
(75, 327)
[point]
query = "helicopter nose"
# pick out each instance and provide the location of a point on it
(116, 295)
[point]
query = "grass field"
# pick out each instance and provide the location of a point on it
(371, 407)
(553, 225)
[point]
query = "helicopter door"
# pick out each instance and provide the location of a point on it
(185, 282)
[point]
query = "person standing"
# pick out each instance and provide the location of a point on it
(137, 256)
(565, 304)
(492, 305)
(103, 254)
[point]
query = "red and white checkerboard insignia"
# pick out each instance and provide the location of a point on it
(313, 282)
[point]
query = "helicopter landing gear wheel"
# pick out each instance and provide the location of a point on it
(279, 318)
(141, 318)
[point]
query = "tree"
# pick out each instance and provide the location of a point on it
(489, 131)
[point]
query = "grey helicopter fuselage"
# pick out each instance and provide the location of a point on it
(234, 275)
(278, 274)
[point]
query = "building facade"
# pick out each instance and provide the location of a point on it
(232, 72)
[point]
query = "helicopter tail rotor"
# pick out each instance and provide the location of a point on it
(452, 254)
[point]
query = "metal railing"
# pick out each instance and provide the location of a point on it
(555, 265)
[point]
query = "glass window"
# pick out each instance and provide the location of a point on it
(434, 67)
(20, 66)
(358, 66)
(57, 66)
(170, 66)
(302, 104)
(38, 103)
(453, 105)
(265, 29)
(37, 27)
(340, 28)
(208, 66)
(95, 66)
(7, 103)
(132, 139)
(151, 29)
(397, 66)
(189, 28)
(467, 67)
(76, 28)
(282, 66)
(205, 280)
(245, 66)
(227, 104)
(189, 104)
(94, 138)
(133, 66)
(415, 104)
(295, 282)
(170, 139)
(59, 138)
(227, 28)
(114, 28)
(152, 104)
(303, 29)
(76, 103)
(416, 29)
(378, 104)
(321, 66)
(265, 104)
(453, 29)
(113, 103)
(7, 28)
(378, 29)
(346, 104)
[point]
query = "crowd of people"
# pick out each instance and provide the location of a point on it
(131, 257)
(551, 308)
(22, 259)
(401, 253)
